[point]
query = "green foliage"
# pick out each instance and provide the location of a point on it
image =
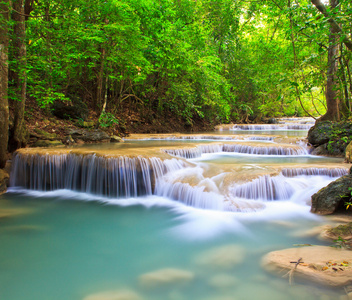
(220, 60)
(107, 120)
(340, 243)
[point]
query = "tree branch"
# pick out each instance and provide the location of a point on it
(321, 7)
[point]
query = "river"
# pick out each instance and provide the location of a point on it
(174, 217)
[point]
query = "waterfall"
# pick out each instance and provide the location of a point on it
(237, 148)
(108, 176)
(331, 172)
(267, 188)
(256, 127)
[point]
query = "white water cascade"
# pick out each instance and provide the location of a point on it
(109, 176)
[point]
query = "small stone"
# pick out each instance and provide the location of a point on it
(225, 257)
(114, 295)
(221, 281)
(165, 276)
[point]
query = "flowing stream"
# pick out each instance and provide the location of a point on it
(174, 217)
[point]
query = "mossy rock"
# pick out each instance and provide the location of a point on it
(320, 133)
(332, 197)
(47, 143)
(85, 124)
(343, 231)
(45, 135)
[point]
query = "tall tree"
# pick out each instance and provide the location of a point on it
(18, 74)
(4, 108)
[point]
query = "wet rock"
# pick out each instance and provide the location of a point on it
(330, 138)
(320, 133)
(332, 197)
(114, 295)
(4, 181)
(47, 143)
(225, 257)
(165, 276)
(320, 264)
(320, 150)
(92, 136)
(115, 139)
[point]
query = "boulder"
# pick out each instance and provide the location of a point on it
(115, 139)
(332, 197)
(77, 110)
(320, 133)
(325, 265)
(90, 136)
(330, 138)
(4, 180)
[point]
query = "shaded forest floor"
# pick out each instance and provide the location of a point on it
(130, 121)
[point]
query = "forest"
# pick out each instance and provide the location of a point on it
(182, 61)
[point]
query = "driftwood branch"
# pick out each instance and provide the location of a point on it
(290, 273)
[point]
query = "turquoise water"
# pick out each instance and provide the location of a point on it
(64, 247)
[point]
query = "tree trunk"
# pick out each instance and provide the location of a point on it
(332, 83)
(100, 82)
(18, 137)
(4, 107)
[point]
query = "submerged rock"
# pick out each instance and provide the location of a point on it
(4, 181)
(225, 257)
(332, 197)
(320, 264)
(222, 281)
(165, 276)
(114, 295)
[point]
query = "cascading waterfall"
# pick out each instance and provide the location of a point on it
(238, 148)
(267, 188)
(256, 127)
(331, 172)
(108, 176)
(284, 185)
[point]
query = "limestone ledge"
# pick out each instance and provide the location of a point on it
(320, 264)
